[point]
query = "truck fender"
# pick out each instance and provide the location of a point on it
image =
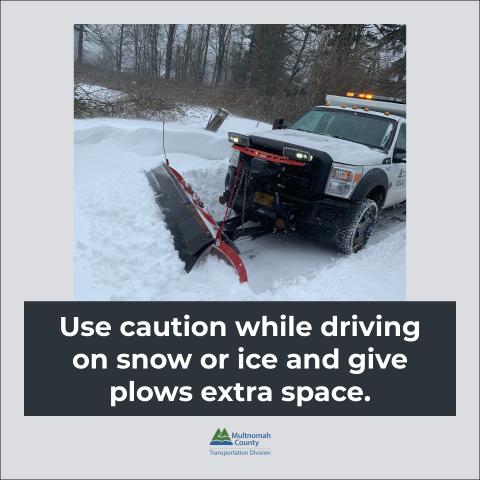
(373, 178)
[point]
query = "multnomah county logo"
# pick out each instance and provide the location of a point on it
(221, 437)
(239, 443)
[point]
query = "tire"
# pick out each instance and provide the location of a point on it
(356, 236)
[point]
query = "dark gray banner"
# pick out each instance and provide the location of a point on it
(240, 358)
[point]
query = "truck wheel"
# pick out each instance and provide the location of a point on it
(356, 236)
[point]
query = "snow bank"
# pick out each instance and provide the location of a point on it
(124, 251)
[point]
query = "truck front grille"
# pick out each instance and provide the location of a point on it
(305, 181)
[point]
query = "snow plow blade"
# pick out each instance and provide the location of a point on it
(195, 232)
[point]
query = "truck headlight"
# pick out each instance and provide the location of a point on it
(234, 156)
(239, 139)
(343, 180)
(297, 154)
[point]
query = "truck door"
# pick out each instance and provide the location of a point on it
(397, 191)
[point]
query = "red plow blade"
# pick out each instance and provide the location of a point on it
(194, 230)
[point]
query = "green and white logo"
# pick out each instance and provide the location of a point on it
(238, 443)
(221, 437)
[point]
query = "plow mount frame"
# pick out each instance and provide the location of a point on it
(234, 229)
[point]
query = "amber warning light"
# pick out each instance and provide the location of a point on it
(365, 96)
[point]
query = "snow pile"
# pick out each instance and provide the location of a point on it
(124, 251)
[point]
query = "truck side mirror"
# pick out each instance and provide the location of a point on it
(278, 124)
(399, 155)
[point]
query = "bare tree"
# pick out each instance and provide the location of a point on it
(81, 30)
(120, 49)
(110, 38)
(153, 31)
(222, 32)
(305, 30)
(168, 57)
(265, 69)
(205, 53)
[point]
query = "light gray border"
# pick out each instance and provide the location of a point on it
(37, 255)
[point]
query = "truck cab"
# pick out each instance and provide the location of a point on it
(328, 174)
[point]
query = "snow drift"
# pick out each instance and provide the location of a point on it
(124, 251)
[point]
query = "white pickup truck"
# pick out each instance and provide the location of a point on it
(329, 173)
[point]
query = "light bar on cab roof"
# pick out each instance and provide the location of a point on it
(370, 96)
(364, 96)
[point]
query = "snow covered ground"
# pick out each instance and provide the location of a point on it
(96, 92)
(124, 251)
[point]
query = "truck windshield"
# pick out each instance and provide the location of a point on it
(358, 127)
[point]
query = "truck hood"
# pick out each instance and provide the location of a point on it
(341, 151)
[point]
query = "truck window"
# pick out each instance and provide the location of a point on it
(401, 145)
(371, 130)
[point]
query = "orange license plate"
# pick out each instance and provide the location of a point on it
(263, 199)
